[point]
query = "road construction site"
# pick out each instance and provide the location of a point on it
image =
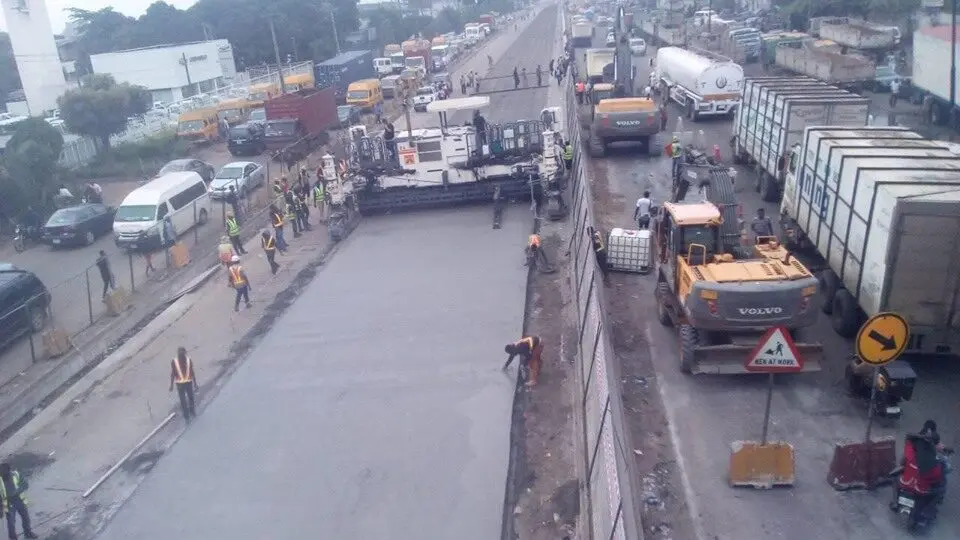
(344, 380)
(683, 425)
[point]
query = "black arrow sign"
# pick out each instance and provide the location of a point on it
(886, 343)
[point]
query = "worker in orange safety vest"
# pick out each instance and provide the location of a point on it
(530, 349)
(183, 377)
(238, 281)
(580, 89)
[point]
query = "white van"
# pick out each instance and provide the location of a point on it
(182, 196)
(383, 66)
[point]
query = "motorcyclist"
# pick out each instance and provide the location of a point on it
(30, 221)
(923, 473)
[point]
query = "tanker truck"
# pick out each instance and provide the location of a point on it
(702, 83)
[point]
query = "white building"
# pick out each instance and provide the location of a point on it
(36, 53)
(172, 72)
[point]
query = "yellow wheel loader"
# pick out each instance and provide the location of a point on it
(721, 305)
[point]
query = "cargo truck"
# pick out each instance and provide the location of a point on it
(773, 115)
(297, 122)
(931, 73)
(582, 35)
(859, 34)
(879, 210)
(419, 58)
(343, 69)
(824, 60)
(598, 64)
(702, 83)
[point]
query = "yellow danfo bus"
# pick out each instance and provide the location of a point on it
(261, 93)
(300, 81)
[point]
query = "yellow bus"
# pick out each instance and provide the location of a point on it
(300, 81)
(234, 111)
(261, 93)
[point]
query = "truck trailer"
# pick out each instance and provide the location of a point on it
(772, 118)
(878, 211)
(824, 60)
(297, 122)
(582, 34)
(702, 83)
(858, 34)
(598, 64)
(343, 69)
(931, 72)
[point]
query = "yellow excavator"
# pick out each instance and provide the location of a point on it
(722, 304)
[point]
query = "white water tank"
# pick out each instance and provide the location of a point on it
(703, 75)
(629, 251)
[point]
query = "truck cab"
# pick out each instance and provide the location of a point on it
(383, 66)
(398, 61)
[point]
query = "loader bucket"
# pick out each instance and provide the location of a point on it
(730, 359)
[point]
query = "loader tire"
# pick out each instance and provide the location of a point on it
(846, 314)
(829, 283)
(769, 190)
(663, 315)
(689, 340)
(596, 146)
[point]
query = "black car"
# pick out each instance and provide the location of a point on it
(24, 303)
(246, 139)
(258, 116)
(78, 225)
(204, 169)
(348, 115)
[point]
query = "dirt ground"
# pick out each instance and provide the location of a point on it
(549, 500)
(665, 512)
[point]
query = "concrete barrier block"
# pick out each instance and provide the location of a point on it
(117, 301)
(862, 465)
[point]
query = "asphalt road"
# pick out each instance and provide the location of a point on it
(811, 411)
(379, 393)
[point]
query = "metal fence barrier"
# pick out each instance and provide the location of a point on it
(612, 485)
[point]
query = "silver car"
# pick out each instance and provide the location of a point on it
(243, 176)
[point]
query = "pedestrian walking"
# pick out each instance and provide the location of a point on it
(663, 117)
(539, 75)
(559, 76)
(516, 78)
(237, 280)
(303, 209)
(168, 233)
(579, 89)
(276, 219)
(233, 232)
(641, 214)
(183, 377)
(894, 92)
(550, 65)
(105, 274)
(535, 254)
(269, 245)
(378, 112)
(290, 214)
(530, 350)
(319, 200)
(148, 262)
(523, 75)
(463, 85)
(12, 488)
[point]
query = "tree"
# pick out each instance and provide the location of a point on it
(101, 107)
(30, 158)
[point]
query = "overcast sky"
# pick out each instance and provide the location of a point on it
(134, 8)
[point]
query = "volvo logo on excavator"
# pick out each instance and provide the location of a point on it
(761, 311)
(625, 123)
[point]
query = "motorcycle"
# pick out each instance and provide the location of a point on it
(22, 234)
(895, 382)
(915, 508)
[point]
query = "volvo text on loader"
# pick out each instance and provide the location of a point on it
(720, 304)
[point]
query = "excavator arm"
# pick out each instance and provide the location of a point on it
(623, 72)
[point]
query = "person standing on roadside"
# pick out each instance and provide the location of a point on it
(183, 377)
(105, 274)
(269, 246)
(276, 220)
(12, 488)
(237, 280)
(233, 232)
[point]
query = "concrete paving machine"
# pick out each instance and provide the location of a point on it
(722, 304)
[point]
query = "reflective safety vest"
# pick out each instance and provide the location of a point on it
(277, 219)
(533, 241)
(268, 243)
(15, 478)
(291, 211)
(568, 152)
(277, 188)
(233, 228)
(236, 276)
(318, 193)
(183, 376)
(598, 242)
(675, 149)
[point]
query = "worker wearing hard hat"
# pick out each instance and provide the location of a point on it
(676, 153)
(237, 280)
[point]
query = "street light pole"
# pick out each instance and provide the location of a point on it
(953, 58)
(336, 37)
(276, 54)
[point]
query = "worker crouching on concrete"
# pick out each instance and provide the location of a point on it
(237, 280)
(530, 349)
(183, 377)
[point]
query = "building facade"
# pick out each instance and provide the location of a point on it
(35, 49)
(172, 72)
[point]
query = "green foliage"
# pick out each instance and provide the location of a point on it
(30, 159)
(135, 159)
(101, 107)
(800, 11)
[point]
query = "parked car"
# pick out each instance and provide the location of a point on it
(638, 46)
(349, 115)
(204, 169)
(244, 176)
(24, 303)
(425, 96)
(246, 139)
(79, 225)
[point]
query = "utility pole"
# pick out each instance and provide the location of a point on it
(709, 14)
(276, 54)
(186, 68)
(336, 37)
(953, 60)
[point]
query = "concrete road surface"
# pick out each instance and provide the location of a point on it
(811, 411)
(376, 409)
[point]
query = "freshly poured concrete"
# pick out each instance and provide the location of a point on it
(375, 409)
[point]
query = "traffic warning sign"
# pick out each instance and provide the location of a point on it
(775, 353)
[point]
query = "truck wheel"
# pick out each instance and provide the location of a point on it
(769, 190)
(689, 339)
(663, 314)
(846, 314)
(690, 111)
(829, 283)
(654, 148)
(596, 146)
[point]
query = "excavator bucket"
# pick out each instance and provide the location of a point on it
(730, 359)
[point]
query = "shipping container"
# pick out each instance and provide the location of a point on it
(772, 118)
(880, 210)
(343, 69)
(931, 69)
(300, 118)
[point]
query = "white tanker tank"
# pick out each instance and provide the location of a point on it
(702, 83)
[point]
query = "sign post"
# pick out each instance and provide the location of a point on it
(767, 464)
(881, 340)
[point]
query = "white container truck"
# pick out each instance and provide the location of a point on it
(931, 70)
(702, 83)
(773, 115)
(879, 209)
(858, 34)
(582, 34)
